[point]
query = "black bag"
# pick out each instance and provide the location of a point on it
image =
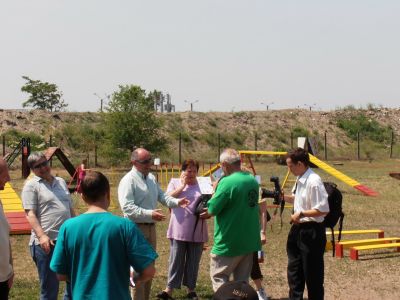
(203, 199)
(335, 214)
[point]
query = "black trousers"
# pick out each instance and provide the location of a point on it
(305, 249)
(255, 269)
(4, 290)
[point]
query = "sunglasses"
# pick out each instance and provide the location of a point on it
(145, 161)
(43, 164)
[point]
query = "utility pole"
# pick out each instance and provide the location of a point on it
(191, 104)
(102, 100)
(267, 104)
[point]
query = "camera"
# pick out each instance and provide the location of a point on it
(275, 194)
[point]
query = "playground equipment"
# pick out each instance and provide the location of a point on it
(23, 147)
(354, 251)
(14, 211)
(350, 244)
(318, 163)
(395, 175)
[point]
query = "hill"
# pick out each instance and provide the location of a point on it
(202, 132)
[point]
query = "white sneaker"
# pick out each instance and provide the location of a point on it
(262, 295)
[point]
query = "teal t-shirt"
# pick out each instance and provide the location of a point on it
(95, 251)
(236, 222)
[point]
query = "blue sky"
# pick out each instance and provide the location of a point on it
(227, 55)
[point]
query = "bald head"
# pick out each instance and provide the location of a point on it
(140, 154)
(4, 176)
(141, 160)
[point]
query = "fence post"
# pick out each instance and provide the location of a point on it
(219, 146)
(291, 140)
(50, 145)
(325, 147)
(358, 145)
(4, 145)
(95, 155)
(391, 145)
(180, 147)
(255, 145)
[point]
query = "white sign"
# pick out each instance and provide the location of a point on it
(204, 184)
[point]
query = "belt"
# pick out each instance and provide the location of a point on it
(146, 224)
(308, 224)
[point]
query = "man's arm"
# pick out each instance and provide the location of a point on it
(307, 213)
(288, 198)
(262, 206)
(147, 274)
(44, 240)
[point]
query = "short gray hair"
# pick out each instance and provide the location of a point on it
(34, 157)
(230, 156)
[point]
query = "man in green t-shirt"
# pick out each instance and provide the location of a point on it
(236, 222)
(94, 250)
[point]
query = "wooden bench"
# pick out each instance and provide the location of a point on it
(380, 232)
(339, 246)
(354, 250)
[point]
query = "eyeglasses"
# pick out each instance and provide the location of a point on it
(145, 161)
(43, 164)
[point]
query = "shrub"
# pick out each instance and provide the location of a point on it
(369, 128)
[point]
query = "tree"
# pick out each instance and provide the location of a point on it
(130, 121)
(43, 95)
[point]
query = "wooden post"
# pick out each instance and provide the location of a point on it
(180, 147)
(26, 151)
(325, 147)
(391, 144)
(358, 145)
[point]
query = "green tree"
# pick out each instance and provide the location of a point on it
(130, 121)
(43, 95)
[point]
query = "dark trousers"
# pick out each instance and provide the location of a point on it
(255, 269)
(305, 249)
(4, 290)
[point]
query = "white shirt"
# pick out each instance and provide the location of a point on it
(310, 194)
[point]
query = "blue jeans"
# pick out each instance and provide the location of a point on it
(48, 280)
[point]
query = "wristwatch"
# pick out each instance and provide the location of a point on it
(301, 215)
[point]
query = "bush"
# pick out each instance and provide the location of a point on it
(369, 128)
(13, 138)
(300, 131)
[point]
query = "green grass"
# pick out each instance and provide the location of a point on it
(374, 276)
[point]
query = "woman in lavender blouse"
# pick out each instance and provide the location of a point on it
(187, 234)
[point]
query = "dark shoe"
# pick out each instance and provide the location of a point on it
(192, 296)
(164, 295)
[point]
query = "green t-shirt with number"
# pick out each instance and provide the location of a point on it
(236, 222)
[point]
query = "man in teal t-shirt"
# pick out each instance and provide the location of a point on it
(94, 250)
(236, 222)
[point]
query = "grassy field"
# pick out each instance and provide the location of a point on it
(375, 276)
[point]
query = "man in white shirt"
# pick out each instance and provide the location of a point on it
(306, 240)
(6, 262)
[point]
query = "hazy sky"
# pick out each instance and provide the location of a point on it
(227, 55)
